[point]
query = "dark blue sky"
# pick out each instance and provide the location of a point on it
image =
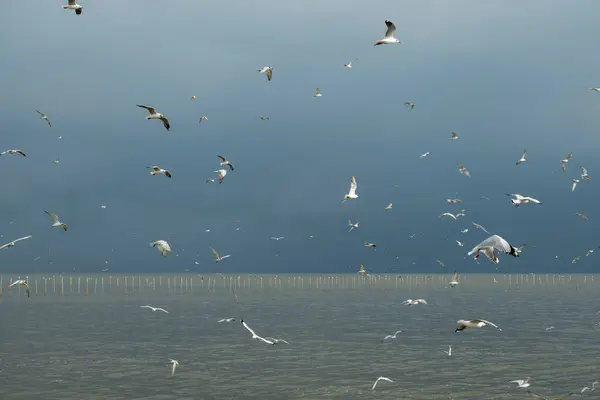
(506, 76)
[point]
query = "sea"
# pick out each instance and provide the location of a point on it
(87, 342)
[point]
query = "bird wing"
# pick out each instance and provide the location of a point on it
(269, 74)
(491, 323)
(574, 185)
(568, 157)
(165, 122)
(583, 171)
(23, 238)
(318, 91)
(248, 328)
(422, 301)
(497, 242)
(524, 154)
(217, 256)
(41, 113)
(53, 216)
(454, 134)
(21, 153)
(151, 110)
(223, 159)
(353, 185)
(391, 29)
(71, 2)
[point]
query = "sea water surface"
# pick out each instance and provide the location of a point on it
(104, 346)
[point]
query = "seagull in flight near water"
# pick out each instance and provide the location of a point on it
(217, 256)
(522, 159)
(268, 71)
(392, 336)
(44, 117)
(381, 378)
(352, 193)
(155, 309)
(156, 115)
(474, 323)
(55, 221)
(492, 244)
(349, 65)
(564, 161)
(11, 244)
(73, 6)
(353, 226)
(175, 364)
(224, 162)
(22, 282)
(21, 152)
(162, 246)
(522, 383)
(255, 336)
(389, 38)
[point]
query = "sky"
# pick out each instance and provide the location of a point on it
(505, 76)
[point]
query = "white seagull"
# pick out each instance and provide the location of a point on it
(422, 156)
(352, 193)
(353, 226)
(563, 162)
(193, 98)
(267, 71)
(220, 175)
(519, 199)
(381, 378)
(156, 115)
(388, 207)
(449, 352)
(474, 323)
(254, 335)
(595, 89)
(224, 162)
(349, 65)
(480, 227)
(588, 389)
(455, 217)
(203, 118)
(459, 243)
(463, 170)
(278, 238)
(13, 152)
(73, 6)
(276, 340)
(492, 244)
(217, 256)
(411, 302)
(226, 320)
(55, 220)
(389, 38)
(44, 117)
(369, 244)
(155, 309)
(522, 383)
(454, 201)
(584, 174)
(156, 170)
(162, 246)
(523, 157)
(318, 93)
(454, 136)
(264, 118)
(175, 364)
(11, 244)
(22, 282)
(454, 280)
(575, 182)
(392, 336)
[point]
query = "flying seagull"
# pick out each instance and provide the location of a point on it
(203, 118)
(11, 244)
(193, 98)
(492, 244)
(13, 152)
(523, 157)
(226, 320)
(381, 378)
(254, 335)
(21, 282)
(156, 115)
(353, 226)
(217, 256)
(267, 71)
(352, 193)
(276, 340)
(584, 174)
(55, 221)
(447, 214)
(411, 302)
(368, 244)
(175, 364)
(454, 280)
(264, 118)
(449, 352)
(388, 207)
(155, 309)
(480, 227)
(389, 38)
(522, 383)
(410, 105)
(44, 117)
(582, 216)
(563, 162)
(392, 336)
(422, 156)
(318, 93)
(575, 182)
(474, 323)
(454, 136)
(519, 199)
(162, 246)
(453, 201)
(463, 170)
(278, 238)
(224, 162)
(349, 65)
(73, 6)
(156, 170)
(437, 259)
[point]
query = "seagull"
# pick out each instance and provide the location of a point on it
(590, 251)
(217, 256)
(422, 156)
(44, 117)
(574, 260)
(519, 199)
(224, 162)
(480, 227)
(277, 238)
(584, 174)
(492, 244)
(226, 320)
(193, 98)
(220, 175)
(352, 193)
(563, 163)
(454, 280)
(318, 93)
(474, 323)
(254, 335)
(588, 389)
(162, 246)
(175, 364)
(156, 170)
(582, 216)
(203, 118)
(13, 152)
(392, 336)
(22, 282)
(381, 378)
(454, 136)
(353, 226)
(575, 182)
(73, 6)
(11, 244)
(388, 207)
(349, 65)
(155, 309)
(596, 89)
(277, 340)
(440, 262)
(459, 243)
(410, 105)
(447, 214)
(522, 383)
(267, 71)
(454, 201)
(264, 118)
(463, 170)
(411, 302)
(55, 221)
(449, 352)
(156, 115)
(389, 38)
(367, 244)
(465, 230)
(549, 328)
(522, 159)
